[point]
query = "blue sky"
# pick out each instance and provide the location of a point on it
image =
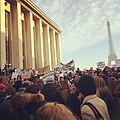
(83, 22)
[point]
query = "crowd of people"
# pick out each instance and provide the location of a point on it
(74, 95)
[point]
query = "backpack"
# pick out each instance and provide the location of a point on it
(95, 111)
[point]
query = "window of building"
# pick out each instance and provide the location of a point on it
(7, 37)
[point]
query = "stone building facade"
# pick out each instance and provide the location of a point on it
(28, 37)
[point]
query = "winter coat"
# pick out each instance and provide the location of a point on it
(74, 103)
(86, 111)
(5, 109)
(116, 92)
(19, 115)
(106, 95)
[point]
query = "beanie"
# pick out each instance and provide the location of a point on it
(86, 85)
(50, 79)
(2, 86)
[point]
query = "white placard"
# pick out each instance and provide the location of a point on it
(47, 75)
(14, 75)
(57, 69)
(118, 62)
(114, 65)
(101, 64)
(18, 71)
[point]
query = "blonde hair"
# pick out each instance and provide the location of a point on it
(33, 97)
(54, 111)
(100, 83)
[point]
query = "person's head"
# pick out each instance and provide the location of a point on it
(50, 80)
(26, 83)
(112, 79)
(118, 69)
(65, 84)
(66, 77)
(2, 87)
(19, 78)
(17, 85)
(40, 81)
(37, 97)
(33, 97)
(34, 101)
(105, 78)
(61, 78)
(33, 89)
(113, 82)
(76, 79)
(100, 83)
(54, 111)
(86, 85)
(10, 91)
(21, 91)
(114, 74)
(51, 93)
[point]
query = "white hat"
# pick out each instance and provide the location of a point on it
(50, 79)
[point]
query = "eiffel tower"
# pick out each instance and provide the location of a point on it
(112, 56)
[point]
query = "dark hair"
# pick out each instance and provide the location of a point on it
(36, 101)
(17, 85)
(10, 91)
(66, 78)
(18, 110)
(17, 102)
(114, 74)
(32, 89)
(51, 93)
(86, 85)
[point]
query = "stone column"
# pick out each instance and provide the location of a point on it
(39, 43)
(24, 44)
(35, 45)
(58, 48)
(46, 44)
(53, 48)
(2, 34)
(17, 60)
(30, 59)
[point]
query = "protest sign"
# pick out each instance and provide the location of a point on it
(117, 62)
(101, 64)
(70, 66)
(18, 71)
(43, 70)
(47, 75)
(14, 75)
(26, 75)
(57, 69)
(114, 65)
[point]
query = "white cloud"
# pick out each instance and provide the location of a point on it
(83, 21)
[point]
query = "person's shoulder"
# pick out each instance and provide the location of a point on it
(87, 113)
(99, 101)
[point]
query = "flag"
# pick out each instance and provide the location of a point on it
(43, 70)
(70, 66)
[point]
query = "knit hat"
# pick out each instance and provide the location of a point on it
(2, 86)
(50, 79)
(86, 85)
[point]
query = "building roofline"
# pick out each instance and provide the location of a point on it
(42, 14)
